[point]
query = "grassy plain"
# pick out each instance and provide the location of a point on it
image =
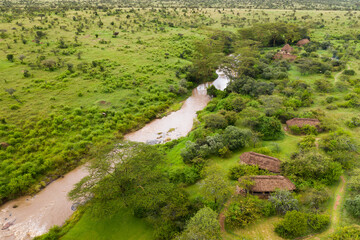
(112, 74)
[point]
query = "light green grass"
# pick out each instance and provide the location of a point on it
(123, 226)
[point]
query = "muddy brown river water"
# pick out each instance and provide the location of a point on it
(35, 215)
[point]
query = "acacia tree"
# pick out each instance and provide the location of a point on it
(203, 226)
(215, 187)
(130, 178)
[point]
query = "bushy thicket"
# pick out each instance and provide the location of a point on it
(246, 210)
(346, 233)
(312, 167)
(297, 224)
(232, 138)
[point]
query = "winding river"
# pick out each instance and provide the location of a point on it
(30, 216)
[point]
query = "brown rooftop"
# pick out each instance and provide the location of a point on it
(264, 184)
(300, 122)
(284, 55)
(287, 48)
(262, 161)
(302, 42)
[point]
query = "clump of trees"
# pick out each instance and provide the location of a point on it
(296, 224)
(133, 178)
(312, 167)
(274, 34)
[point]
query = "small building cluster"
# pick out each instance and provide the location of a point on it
(264, 185)
(285, 52)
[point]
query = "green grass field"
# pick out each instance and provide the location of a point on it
(121, 226)
(101, 87)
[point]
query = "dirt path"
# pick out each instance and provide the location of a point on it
(339, 198)
(335, 211)
(336, 78)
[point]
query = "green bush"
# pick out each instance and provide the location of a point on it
(14, 107)
(215, 121)
(245, 170)
(269, 127)
(283, 201)
(346, 233)
(312, 166)
(353, 206)
(294, 225)
(246, 210)
(349, 72)
(318, 223)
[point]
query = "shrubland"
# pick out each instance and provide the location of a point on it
(113, 70)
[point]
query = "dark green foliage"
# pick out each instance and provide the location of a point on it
(274, 34)
(312, 166)
(244, 170)
(315, 198)
(283, 201)
(236, 138)
(323, 85)
(187, 175)
(10, 57)
(352, 205)
(269, 127)
(354, 182)
(307, 130)
(353, 122)
(249, 86)
(317, 222)
(294, 225)
(349, 72)
(308, 66)
(297, 224)
(215, 121)
(346, 233)
(244, 211)
(307, 142)
(204, 225)
(231, 139)
(341, 147)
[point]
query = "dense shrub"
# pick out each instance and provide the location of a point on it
(231, 139)
(346, 233)
(269, 127)
(312, 166)
(352, 205)
(315, 198)
(349, 72)
(294, 225)
(297, 224)
(246, 210)
(283, 201)
(215, 121)
(244, 170)
(353, 122)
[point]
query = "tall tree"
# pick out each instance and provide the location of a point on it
(130, 178)
(215, 187)
(203, 226)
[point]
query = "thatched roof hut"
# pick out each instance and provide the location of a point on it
(287, 48)
(262, 161)
(302, 42)
(4, 145)
(284, 55)
(268, 184)
(300, 122)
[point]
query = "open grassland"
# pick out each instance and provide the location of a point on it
(121, 226)
(78, 80)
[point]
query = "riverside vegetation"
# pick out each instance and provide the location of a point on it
(77, 77)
